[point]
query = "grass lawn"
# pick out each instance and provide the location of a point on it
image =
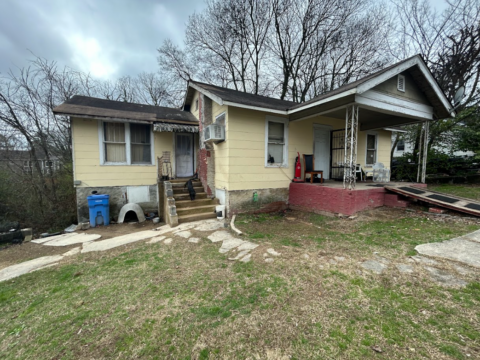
(188, 301)
(470, 191)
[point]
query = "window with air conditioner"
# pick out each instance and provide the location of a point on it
(276, 140)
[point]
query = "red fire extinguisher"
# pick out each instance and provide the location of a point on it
(298, 170)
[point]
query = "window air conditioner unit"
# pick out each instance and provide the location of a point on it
(214, 133)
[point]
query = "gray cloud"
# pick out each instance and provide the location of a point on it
(108, 38)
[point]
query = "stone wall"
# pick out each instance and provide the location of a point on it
(118, 198)
(269, 200)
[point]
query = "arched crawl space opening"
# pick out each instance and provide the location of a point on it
(131, 207)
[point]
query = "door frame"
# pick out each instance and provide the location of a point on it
(329, 129)
(194, 152)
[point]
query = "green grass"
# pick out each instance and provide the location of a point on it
(470, 191)
(157, 301)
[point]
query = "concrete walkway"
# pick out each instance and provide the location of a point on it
(164, 234)
(464, 249)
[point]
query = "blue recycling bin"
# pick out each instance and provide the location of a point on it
(99, 210)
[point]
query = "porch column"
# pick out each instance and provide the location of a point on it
(351, 135)
(422, 153)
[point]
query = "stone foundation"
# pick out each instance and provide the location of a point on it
(118, 198)
(269, 200)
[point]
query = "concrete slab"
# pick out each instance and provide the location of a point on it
(423, 260)
(375, 266)
(194, 240)
(218, 236)
(28, 266)
(229, 244)
(184, 234)
(118, 241)
(56, 237)
(458, 249)
(168, 241)
(71, 240)
(444, 278)
(240, 255)
(273, 252)
(474, 236)
(73, 251)
(247, 245)
(210, 225)
(246, 258)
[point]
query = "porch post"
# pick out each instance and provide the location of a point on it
(351, 135)
(425, 150)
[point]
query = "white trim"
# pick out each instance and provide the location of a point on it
(324, 112)
(101, 146)
(395, 130)
(389, 108)
(398, 101)
(366, 147)
(401, 68)
(327, 99)
(280, 112)
(284, 121)
(215, 98)
(193, 149)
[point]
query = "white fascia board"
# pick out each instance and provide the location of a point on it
(362, 88)
(393, 100)
(391, 109)
(213, 97)
(281, 112)
(321, 113)
(322, 101)
(107, 119)
(395, 130)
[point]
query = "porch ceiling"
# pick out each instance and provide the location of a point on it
(370, 117)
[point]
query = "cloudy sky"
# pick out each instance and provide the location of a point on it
(108, 38)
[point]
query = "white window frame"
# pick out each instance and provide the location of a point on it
(284, 121)
(366, 147)
(101, 137)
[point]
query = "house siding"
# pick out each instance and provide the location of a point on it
(87, 166)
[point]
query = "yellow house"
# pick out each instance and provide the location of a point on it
(243, 145)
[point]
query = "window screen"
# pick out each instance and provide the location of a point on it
(276, 142)
(401, 145)
(140, 144)
(371, 149)
(220, 119)
(114, 139)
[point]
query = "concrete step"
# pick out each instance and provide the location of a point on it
(195, 217)
(181, 180)
(197, 202)
(181, 190)
(186, 196)
(180, 184)
(195, 210)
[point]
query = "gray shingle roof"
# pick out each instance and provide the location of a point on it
(101, 108)
(240, 97)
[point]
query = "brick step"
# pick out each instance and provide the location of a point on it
(181, 190)
(196, 210)
(195, 217)
(197, 202)
(186, 196)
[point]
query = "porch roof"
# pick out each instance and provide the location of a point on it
(377, 109)
(90, 107)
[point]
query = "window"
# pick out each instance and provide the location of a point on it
(371, 149)
(140, 144)
(401, 145)
(27, 166)
(220, 119)
(401, 83)
(126, 144)
(276, 142)
(114, 140)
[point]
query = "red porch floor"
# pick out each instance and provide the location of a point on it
(331, 197)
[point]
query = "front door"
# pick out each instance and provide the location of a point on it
(184, 155)
(321, 149)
